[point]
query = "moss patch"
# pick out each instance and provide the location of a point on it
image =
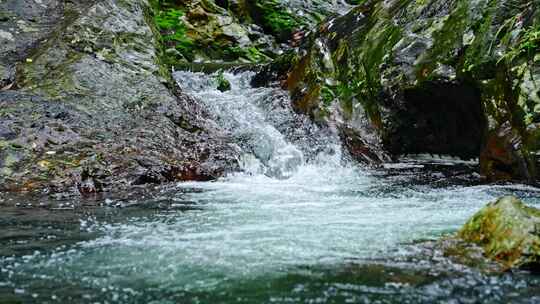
(507, 231)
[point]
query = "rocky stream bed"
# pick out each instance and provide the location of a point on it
(269, 151)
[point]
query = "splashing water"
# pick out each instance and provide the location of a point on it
(296, 227)
(276, 141)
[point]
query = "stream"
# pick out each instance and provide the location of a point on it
(300, 224)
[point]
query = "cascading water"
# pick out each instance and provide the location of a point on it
(275, 140)
(300, 225)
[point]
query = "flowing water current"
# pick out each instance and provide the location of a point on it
(300, 224)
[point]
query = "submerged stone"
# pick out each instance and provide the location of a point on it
(508, 231)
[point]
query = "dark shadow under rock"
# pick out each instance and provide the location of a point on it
(438, 118)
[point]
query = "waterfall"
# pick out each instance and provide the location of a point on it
(274, 139)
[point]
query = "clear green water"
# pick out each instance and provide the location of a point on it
(325, 235)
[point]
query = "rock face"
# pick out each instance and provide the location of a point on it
(444, 77)
(91, 106)
(236, 30)
(508, 231)
(22, 25)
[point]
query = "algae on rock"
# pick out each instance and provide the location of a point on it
(222, 83)
(508, 231)
(234, 31)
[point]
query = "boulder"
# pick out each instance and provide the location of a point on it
(93, 108)
(508, 231)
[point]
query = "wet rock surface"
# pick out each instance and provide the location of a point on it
(456, 78)
(23, 24)
(507, 230)
(93, 109)
(237, 31)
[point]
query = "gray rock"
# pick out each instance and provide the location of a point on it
(95, 111)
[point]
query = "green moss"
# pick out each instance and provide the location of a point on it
(327, 95)
(505, 230)
(358, 75)
(174, 30)
(222, 83)
(167, 20)
(205, 37)
(478, 59)
(162, 60)
(528, 45)
(375, 49)
(251, 54)
(276, 19)
(446, 40)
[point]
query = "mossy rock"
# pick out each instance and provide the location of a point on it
(275, 18)
(222, 83)
(508, 231)
(234, 31)
(456, 78)
(95, 109)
